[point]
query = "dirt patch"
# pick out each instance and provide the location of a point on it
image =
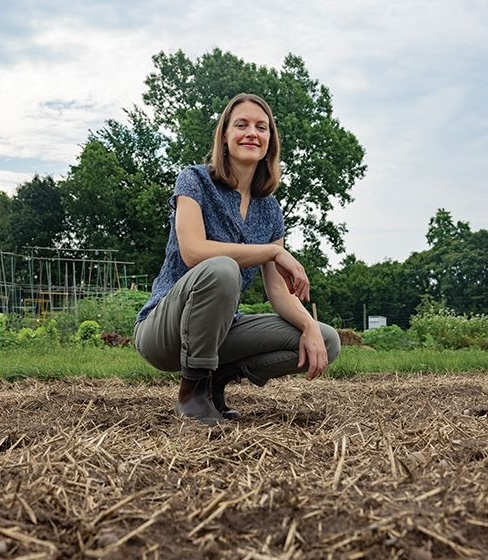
(383, 467)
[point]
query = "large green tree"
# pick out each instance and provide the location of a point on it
(116, 196)
(36, 214)
(454, 269)
(321, 160)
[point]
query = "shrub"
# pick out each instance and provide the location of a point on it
(255, 308)
(66, 323)
(114, 313)
(49, 330)
(88, 333)
(388, 338)
(442, 328)
(7, 336)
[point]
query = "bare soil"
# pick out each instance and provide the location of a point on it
(380, 467)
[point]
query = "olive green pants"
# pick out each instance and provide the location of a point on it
(194, 326)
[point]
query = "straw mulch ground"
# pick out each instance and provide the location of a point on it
(382, 467)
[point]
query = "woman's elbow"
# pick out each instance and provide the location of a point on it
(189, 259)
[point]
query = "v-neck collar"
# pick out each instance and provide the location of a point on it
(237, 196)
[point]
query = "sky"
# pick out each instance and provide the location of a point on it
(409, 78)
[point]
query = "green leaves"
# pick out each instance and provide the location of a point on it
(116, 197)
(455, 268)
(321, 160)
(36, 214)
(442, 229)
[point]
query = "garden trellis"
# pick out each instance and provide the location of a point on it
(44, 279)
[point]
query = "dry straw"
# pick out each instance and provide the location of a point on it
(378, 467)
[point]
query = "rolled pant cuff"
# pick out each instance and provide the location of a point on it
(200, 363)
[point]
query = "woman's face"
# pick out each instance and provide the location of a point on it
(248, 133)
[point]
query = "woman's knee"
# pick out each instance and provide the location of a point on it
(223, 271)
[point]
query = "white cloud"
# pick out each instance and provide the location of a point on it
(10, 180)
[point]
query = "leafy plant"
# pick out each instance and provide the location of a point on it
(66, 324)
(388, 338)
(114, 313)
(46, 334)
(7, 336)
(435, 327)
(443, 328)
(88, 333)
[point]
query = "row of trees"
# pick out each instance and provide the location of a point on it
(115, 196)
(452, 273)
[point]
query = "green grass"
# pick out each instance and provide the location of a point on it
(74, 361)
(354, 361)
(124, 362)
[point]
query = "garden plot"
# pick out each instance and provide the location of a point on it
(380, 467)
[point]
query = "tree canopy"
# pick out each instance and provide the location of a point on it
(37, 214)
(453, 272)
(321, 160)
(455, 269)
(116, 196)
(442, 229)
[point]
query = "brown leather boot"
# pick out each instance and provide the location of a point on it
(220, 378)
(195, 397)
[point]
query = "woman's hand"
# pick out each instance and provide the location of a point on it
(312, 350)
(294, 274)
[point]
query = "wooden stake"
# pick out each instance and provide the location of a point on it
(314, 311)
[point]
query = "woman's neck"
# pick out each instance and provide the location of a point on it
(244, 175)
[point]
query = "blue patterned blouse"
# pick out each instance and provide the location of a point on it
(223, 222)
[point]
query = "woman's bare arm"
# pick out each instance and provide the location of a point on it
(195, 247)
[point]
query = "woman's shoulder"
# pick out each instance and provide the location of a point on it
(198, 170)
(193, 178)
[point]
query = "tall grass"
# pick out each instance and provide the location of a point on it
(124, 362)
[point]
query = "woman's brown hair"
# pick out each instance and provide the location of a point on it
(268, 171)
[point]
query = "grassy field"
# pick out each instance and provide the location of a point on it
(102, 362)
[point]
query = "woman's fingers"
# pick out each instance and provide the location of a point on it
(294, 274)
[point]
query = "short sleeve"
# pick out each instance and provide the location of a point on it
(188, 183)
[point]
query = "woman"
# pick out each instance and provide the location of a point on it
(224, 225)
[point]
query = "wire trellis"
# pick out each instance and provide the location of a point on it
(40, 280)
